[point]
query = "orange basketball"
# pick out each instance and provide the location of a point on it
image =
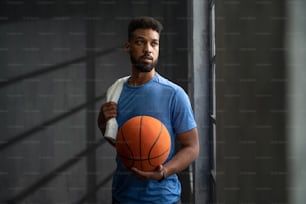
(143, 142)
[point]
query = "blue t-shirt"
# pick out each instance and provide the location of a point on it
(169, 103)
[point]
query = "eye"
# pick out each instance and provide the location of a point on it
(154, 43)
(139, 42)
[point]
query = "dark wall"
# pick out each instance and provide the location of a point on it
(251, 102)
(57, 58)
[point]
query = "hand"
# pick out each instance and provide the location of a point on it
(149, 175)
(108, 110)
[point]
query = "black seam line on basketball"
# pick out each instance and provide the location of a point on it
(140, 137)
(156, 140)
(145, 159)
(125, 142)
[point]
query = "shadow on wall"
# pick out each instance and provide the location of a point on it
(69, 163)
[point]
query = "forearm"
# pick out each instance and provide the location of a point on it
(182, 159)
(186, 154)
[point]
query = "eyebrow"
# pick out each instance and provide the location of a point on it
(143, 38)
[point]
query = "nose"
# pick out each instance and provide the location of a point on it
(147, 48)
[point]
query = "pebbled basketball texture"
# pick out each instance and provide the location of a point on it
(143, 142)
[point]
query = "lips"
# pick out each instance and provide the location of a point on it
(147, 58)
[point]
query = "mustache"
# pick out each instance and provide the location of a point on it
(146, 56)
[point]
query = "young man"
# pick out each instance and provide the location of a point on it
(148, 93)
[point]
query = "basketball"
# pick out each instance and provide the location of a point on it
(143, 142)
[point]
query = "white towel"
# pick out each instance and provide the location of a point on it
(113, 94)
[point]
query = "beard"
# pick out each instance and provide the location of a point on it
(141, 66)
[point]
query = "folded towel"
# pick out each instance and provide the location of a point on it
(113, 94)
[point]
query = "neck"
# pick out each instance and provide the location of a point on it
(140, 78)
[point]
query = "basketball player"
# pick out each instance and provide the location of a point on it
(146, 92)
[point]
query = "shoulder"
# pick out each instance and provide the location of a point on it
(180, 96)
(166, 83)
(118, 83)
(121, 80)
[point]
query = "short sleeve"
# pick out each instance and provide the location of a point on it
(182, 113)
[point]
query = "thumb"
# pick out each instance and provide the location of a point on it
(160, 167)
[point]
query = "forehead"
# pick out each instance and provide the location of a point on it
(148, 34)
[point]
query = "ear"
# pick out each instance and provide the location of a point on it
(127, 47)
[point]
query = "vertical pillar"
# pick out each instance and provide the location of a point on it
(199, 89)
(296, 43)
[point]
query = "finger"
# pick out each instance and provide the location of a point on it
(135, 170)
(109, 110)
(160, 167)
(110, 114)
(110, 104)
(137, 173)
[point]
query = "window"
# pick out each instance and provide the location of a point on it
(212, 97)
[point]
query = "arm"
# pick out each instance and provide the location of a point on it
(188, 152)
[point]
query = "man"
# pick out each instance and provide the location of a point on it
(148, 93)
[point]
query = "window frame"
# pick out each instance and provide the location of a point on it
(212, 98)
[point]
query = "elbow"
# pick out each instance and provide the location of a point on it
(196, 146)
(196, 151)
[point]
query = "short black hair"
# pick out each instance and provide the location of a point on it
(144, 22)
